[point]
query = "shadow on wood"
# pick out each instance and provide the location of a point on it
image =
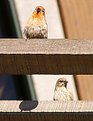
(28, 105)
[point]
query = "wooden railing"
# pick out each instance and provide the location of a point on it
(46, 57)
(52, 56)
(46, 111)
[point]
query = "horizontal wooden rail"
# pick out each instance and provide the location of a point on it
(46, 110)
(18, 56)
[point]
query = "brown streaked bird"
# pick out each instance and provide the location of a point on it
(61, 93)
(36, 26)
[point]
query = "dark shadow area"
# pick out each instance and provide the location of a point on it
(9, 22)
(22, 87)
(28, 105)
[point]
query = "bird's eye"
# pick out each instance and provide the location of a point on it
(43, 11)
(38, 10)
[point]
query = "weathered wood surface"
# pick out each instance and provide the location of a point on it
(46, 110)
(46, 56)
(45, 106)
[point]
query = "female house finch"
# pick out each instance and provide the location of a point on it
(36, 26)
(61, 93)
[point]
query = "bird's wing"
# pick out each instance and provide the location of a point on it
(60, 95)
(68, 94)
(25, 31)
(63, 94)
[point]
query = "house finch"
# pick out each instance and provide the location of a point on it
(61, 93)
(36, 26)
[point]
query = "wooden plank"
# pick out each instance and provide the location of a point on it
(77, 18)
(47, 116)
(84, 85)
(46, 110)
(45, 106)
(46, 56)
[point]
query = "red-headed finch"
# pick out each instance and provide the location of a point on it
(61, 93)
(36, 26)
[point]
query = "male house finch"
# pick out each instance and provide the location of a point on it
(61, 93)
(36, 26)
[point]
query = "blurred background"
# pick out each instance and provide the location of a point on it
(66, 19)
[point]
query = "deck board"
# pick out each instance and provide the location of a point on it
(46, 56)
(46, 110)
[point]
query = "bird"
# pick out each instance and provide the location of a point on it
(36, 26)
(61, 92)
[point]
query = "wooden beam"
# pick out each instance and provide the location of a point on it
(46, 56)
(46, 110)
(84, 85)
(77, 18)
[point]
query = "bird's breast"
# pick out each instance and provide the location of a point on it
(36, 22)
(36, 28)
(36, 32)
(62, 94)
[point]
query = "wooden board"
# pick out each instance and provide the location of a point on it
(77, 18)
(46, 110)
(84, 85)
(46, 56)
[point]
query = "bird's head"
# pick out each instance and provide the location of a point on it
(40, 9)
(39, 12)
(61, 82)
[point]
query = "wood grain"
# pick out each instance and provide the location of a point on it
(77, 17)
(46, 56)
(46, 110)
(85, 86)
(45, 106)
